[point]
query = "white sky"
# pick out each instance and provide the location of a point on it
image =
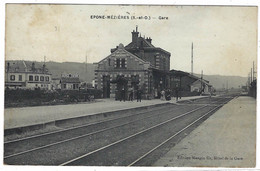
(224, 38)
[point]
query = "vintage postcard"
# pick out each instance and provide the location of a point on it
(130, 85)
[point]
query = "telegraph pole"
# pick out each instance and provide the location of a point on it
(253, 70)
(192, 58)
(86, 67)
(251, 76)
(201, 80)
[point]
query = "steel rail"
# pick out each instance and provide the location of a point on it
(76, 127)
(81, 136)
(168, 139)
(131, 136)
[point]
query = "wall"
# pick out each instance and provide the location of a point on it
(133, 66)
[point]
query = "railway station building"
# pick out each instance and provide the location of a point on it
(141, 65)
(138, 65)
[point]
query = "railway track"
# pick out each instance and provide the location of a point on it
(87, 144)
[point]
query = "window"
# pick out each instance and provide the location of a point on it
(20, 77)
(123, 63)
(30, 78)
(12, 77)
(164, 63)
(42, 78)
(36, 78)
(47, 78)
(118, 63)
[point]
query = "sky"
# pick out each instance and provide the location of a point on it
(224, 37)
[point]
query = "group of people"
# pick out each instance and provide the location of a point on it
(166, 94)
(163, 95)
(131, 95)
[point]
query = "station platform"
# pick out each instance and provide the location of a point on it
(27, 116)
(225, 139)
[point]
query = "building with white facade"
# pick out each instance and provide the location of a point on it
(26, 75)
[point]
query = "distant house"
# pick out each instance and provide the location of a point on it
(26, 75)
(200, 86)
(69, 82)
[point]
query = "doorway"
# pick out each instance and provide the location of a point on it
(106, 86)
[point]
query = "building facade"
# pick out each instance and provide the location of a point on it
(189, 84)
(26, 75)
(69, 82)
(143, 48)
(139, 65)
(122, 70)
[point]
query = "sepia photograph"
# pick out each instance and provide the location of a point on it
(136, 85)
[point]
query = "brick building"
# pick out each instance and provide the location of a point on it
(138, 65)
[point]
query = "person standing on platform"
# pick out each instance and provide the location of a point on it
(162, 95)
(131, 94)
(177, 94)
(122, 94)
(139, 95)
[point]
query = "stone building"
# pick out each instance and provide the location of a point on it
(143, 48)
(27, 75)
(139, 65)
(69, 81)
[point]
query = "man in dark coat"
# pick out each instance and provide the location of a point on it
(177, 94)
(139, 95)
(131, 94)
(122, 95)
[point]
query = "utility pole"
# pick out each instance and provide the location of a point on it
(192, 58)
(251, 79)
(253, 70)
(44, 64)
(201, 80)
(86, 67)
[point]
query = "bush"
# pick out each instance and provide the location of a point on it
(21, 97)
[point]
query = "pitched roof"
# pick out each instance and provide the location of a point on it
(138, 43)
(121, 48)
(203, 81)
(24, 66)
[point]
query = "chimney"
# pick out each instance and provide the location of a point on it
(43, 68)
(8, 67)
(135, 35)
(149, 40)
(33, 66)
